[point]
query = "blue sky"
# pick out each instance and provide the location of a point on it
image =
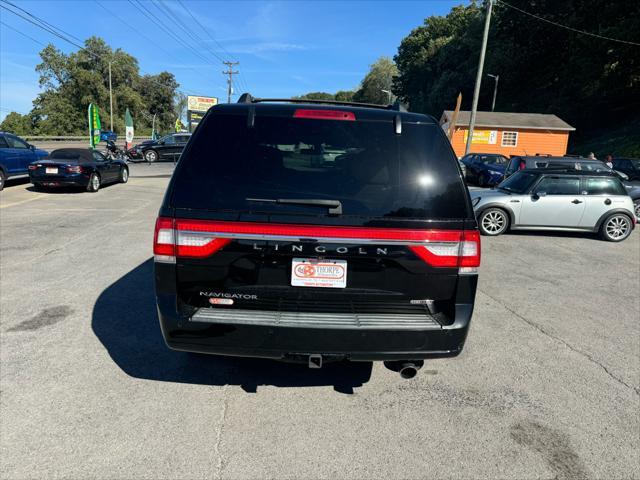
(285, 48)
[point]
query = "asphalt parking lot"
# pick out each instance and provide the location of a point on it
(548, 385)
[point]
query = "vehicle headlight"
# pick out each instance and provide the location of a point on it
(475, 201)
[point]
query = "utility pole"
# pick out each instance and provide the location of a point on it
(476, 90)
(495, 90)
(231, 73)
(110, 101)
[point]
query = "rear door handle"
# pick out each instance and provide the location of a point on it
(576, 201)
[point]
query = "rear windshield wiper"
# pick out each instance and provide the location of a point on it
(335, 207)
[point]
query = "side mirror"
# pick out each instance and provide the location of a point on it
(538, 195)
(31, 147)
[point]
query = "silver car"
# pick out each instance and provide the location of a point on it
(556, 200)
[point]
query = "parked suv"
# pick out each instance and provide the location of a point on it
(168, 147)
(628, 166)
(15, 156)
(557, 200)
(314, 232)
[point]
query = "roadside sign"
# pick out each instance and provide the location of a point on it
(200, 104)
(485, 137)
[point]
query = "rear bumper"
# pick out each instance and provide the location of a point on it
(76, 180)
(299, 335)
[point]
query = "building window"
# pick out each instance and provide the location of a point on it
(509, 139)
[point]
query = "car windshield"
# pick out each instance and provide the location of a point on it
(362, 164)
(519, 182)
(493, 160)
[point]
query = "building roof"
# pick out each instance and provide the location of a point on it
(534, 121)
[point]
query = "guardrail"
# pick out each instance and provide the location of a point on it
(67, 138)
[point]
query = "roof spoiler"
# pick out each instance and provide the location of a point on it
(247, 98)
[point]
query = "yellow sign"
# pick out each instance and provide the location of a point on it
(200, 104)
(485, 137)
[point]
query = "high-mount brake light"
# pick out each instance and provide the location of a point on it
(325, 114)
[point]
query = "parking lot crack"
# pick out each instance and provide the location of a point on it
(542, 330)
(216, 446)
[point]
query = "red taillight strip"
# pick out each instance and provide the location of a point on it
(238, 229)
(202, 238)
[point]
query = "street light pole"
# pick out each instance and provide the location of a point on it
(495, 90)
(110, 101)
(388, 92)
(476, 90)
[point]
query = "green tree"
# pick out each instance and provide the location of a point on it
(72, 81)
(316, 96)
(17, 124)
(590, 82)
(379, 78)
(345, 95)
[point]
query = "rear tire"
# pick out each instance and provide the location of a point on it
(3, 179)
(151, 156)
(636, 207)
(493, 222)
(616, 228)
(124, 175)
(94, 183)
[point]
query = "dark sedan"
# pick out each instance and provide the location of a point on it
(168, 147)
(484, 169)
(77, 167)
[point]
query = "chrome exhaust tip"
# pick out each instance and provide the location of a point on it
(406, 368)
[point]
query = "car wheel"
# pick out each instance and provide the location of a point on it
(3, 178)
(151, 156)
(616, 228)
(493, 222)
(636, 207)
(38, 187)
(94, 183)
(124, 175)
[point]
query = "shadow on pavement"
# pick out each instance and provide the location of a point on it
(15, 182)
(554, 234)
(125, 321)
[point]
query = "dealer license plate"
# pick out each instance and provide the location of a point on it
(51, 170)
(308, 272)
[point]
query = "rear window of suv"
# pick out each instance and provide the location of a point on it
(365, 165)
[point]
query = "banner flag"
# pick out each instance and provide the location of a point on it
(128, 128)
(94, 125)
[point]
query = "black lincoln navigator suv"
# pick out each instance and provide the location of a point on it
(315, 232)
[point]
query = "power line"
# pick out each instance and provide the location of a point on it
(151, 16)
(58, 32)
(206, 31)
(193, 35)
(186, 9)
(23, 34)
(567, 27)
(44, 22)
(152, 42)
